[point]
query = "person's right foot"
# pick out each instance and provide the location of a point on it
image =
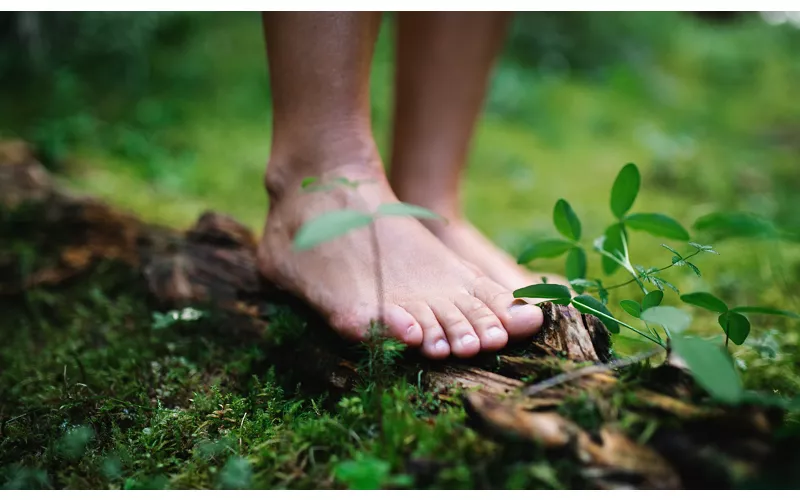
(431, 298)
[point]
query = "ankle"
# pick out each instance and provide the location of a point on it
(350, 157)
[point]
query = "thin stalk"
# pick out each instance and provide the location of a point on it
(629, 327)
(685, 259)
(376, 251)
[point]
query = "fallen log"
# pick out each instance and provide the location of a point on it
(213, 265)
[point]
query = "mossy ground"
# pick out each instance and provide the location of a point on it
(94, 396)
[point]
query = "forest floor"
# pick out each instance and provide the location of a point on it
(97, 392)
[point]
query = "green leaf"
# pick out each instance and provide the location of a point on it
(661, 283)
(694, 268)
(673, 251)
(566, 221)
(407, 209)
(576, 264)
(703, 248)
(328, 226)
(657, 225)
(557, 294)
(590, 305)
(706, 301)
(579, 285)
(711, 367)
(632, 307)
(546, 249)
(613, 245)
(308, 181)
(735, 225)
(652, 299)
(624, 190)
(735, 326)
(671, 318)
(765, 310)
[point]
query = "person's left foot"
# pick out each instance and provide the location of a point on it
(468, 243)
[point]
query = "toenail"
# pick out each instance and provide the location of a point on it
(468, 340)
(441, 345)
(412, 330)
(495, 332)
(517, 307)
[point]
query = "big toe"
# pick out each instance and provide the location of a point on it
(519, 318)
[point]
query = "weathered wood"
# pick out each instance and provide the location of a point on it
(214, 263)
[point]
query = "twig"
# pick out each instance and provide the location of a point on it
(587, 370)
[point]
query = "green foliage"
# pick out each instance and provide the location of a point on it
(544, 250)
(236, 474)
(657, 225)
(367, 473)
(175, 109)
(671, 318)
(406, 209)
(765, 310)
(725, 225)
(557, 294)
(631, 307)
(329, 226)
(565, 220)
(713, 372)
(735, 326)
(613, 244)
(652, 299)
(336, 223)
(711, 366)
(624, 190)
(576, 264)
(73, 444)
(590, 305)
(706, 301)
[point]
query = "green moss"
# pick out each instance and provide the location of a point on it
(93, 395)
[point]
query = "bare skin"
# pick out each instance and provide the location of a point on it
(321, 128)
(444, 60)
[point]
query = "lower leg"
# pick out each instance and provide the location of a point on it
(443, 65)
(319, 66)
(319, 70)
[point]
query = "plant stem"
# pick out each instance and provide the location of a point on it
(629, 327)
(376, 252)
(619, 285)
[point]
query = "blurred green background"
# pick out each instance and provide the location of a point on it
(168, 114)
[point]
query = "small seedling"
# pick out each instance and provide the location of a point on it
(712, 366)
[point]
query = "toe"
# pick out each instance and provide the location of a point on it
(402, 325)
(434, 341)
(486, 324)
(519, 318)
(460, 334)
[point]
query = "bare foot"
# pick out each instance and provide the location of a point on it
(431, 297)
(468, 243)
